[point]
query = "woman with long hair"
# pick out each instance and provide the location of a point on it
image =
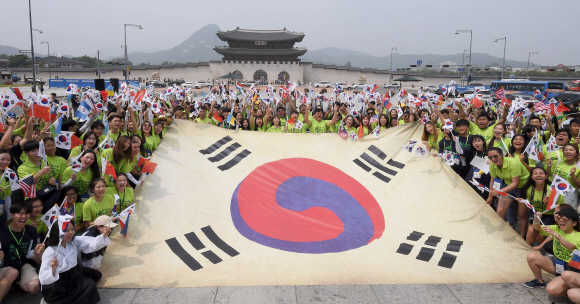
(125, 193)
(276, 127)
(63, 280)
(499, 132)
(349, 124)
(73, 201)
(431, 136)
(90, 142)
(82, 178)
(246, 124)
(100, 203)
(158, 132)
(536, 191)
(479, 150)
(509, 176)
(150, 143)
(384, 122)
(121, 157)
(567, 170)
(366, 125)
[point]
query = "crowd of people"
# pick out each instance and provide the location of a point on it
(36, 255)
(517, 183)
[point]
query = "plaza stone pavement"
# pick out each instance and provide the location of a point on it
(458, 293)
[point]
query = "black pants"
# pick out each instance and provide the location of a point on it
(93, 274)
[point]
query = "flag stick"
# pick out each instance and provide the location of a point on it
(57, 247)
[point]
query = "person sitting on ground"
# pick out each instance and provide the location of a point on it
(63, 279)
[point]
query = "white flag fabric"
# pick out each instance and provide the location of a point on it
(420, 151)
(562, 186)
(409, 147)
(50, 216)
(76, 165)
(12, 179)
(63, 222)
(107, 143)
(42, 152)
(64, 140)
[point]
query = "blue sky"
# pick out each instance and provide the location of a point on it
(80, 27)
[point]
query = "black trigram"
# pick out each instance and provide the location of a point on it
(425, 254)
(192, 238)
(380, 154)
(225, 153)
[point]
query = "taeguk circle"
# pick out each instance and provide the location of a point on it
(306, 206)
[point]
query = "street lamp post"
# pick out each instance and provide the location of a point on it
(32, 47)
(528, 69)
(504, 44)
(391, 73)
(463, 62)
(470, 44)
(126, 63)
(48, 60)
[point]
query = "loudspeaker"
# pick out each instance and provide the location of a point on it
(115, 83)
(100, 84)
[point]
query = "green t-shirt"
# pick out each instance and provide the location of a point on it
(511, 168)
(76, 151)
(563, 170)
(125, 166)
(4, 193)
(560, 251)
(273, 129)
(93, 209)
(125, 198)
(318, 126)
(207, 120)
(555, 156)
(537, 200)
(157, 139)
(497, 143)
(57, 165)
(82, 182)
(28, 167)
(487, 133)
(42, 228)
(435, 143)
(150, 144)
(79, 212)
(293, 129)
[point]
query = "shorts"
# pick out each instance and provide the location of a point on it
(546, 219)
(516, 192)
(27, 275)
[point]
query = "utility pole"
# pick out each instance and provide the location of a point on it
(98, 65)
(32, 48)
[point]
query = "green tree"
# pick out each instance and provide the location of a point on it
(19, 61)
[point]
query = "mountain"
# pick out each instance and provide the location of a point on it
(358, 59)
(198, 47)
(8, 50)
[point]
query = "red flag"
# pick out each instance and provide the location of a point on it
(139, 96)
(361, 131)
(501, 193)
(110, 170)
(552, 200)
(105, 95)
(217, 117)
(17, 93)
(291, 121)
(75, 141)
(39, 111)
(476, 102)
(148, 167)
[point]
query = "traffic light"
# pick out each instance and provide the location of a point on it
(97, 73)
(428, 66)
(445, 65)
(571, 70)
(469, 78)
(124, 73)
(413, 65)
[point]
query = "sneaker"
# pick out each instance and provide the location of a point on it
(534, 284)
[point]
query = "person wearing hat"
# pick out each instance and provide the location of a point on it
(92, 259)
(565, 242)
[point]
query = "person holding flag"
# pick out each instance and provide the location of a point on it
(5, 187)
(56, 163)
(562, 138)
(508, 177)
(431, 136)
(45, 185)
(121, 157)
(565, 242)
(99, 204)
(35, 216)
(63, 280)
(318, 125)
(150, 142)
(92, 259)
(125, 193)
(499, 140)
(82, 173)
(383, 122)
(276, 126)
(536, 191)
(90, 142)
(482, 127)
(567, 169)
(294, 124)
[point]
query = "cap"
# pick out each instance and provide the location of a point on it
(104, 220)
(569, 213)
(11, 114)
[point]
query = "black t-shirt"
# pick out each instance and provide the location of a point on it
(15, 153)
(16, 247)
